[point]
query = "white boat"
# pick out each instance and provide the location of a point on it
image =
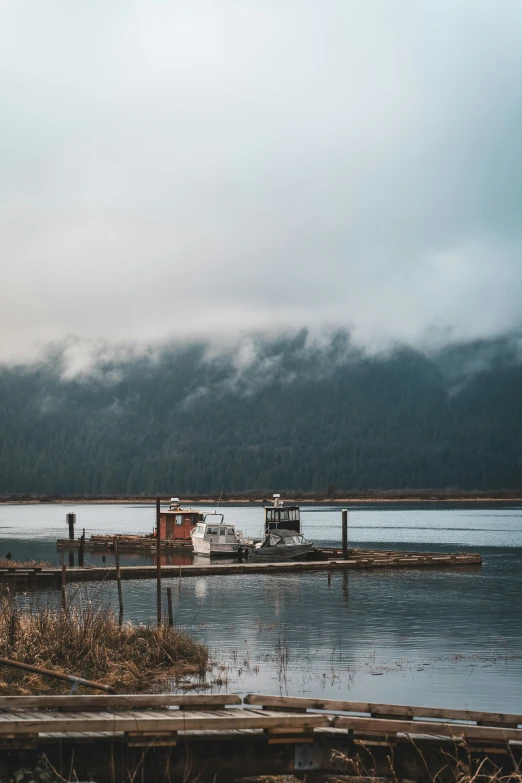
(212, 536)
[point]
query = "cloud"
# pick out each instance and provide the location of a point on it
(191, 169)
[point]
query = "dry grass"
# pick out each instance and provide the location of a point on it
(7, 562)
(463, 764)
(86, 640)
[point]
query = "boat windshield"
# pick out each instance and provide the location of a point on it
(297, 539)
(213, 519)
(288, 539)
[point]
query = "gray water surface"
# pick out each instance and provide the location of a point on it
(448, 637)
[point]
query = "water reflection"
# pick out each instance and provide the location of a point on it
(448, 637)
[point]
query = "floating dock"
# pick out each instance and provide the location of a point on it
(330, 561)
(217, 737)
(134, 544)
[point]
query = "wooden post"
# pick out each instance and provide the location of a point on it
(57, 675)
(345, 533)
(81, 551)
(71, 521)
(169, 603)
(118, 579)
(158, 559)
(64, 582)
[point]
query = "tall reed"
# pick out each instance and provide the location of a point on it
(86, 640)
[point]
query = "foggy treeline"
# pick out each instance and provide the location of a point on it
(276, 415)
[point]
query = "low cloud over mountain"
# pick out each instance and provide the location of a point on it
(186, 170)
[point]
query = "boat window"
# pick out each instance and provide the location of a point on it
(284, 516)
(269, 515)
(179, 519)
(216, 519)
(222, 531)
(274, 540)
(212, 531)
(231, 531)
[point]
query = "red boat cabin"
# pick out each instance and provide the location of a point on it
(177, 522)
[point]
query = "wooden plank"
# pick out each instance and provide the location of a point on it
(151, 739)
(485, 718)
(290, 739)
(169, 721)
(362, 559)
(8, 703)
(383, 726)
(153, 742)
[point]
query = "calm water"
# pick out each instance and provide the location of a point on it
(430, 637)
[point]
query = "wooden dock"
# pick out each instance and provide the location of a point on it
(133, 544)
(358, 559)
(218, 736)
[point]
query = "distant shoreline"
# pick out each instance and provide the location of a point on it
(385, 497)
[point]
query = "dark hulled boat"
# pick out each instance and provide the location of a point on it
(281, 545)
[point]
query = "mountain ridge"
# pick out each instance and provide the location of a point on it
(284, 415)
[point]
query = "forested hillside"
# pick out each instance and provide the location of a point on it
(277, 415)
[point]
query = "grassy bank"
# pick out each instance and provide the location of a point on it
(265, 496)
(8, 562)
(86, 640)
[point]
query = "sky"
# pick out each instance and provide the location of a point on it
(214, 168)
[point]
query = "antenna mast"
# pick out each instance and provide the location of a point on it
(220, 496)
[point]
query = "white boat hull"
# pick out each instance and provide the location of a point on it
(208, 548)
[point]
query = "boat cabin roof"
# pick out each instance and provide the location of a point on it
(275, 537)
(283, 506)
(214, 520)
(283, 534)
(215, 527)
(288, 536)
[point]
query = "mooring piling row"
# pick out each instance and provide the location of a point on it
(361, 559)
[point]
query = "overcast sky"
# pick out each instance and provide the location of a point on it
(211, 167)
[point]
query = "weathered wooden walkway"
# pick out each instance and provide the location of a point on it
(216, 737)
(360, 559)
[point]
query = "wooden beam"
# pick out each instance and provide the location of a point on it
(160, 722)
(101, 702)
(381, 710)
(430, 728)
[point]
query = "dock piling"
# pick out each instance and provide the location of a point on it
(158, 558)
(71, 521)
(169, 604)
(345, 533)
(64, 582)
(81, 551)
(118, 579)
